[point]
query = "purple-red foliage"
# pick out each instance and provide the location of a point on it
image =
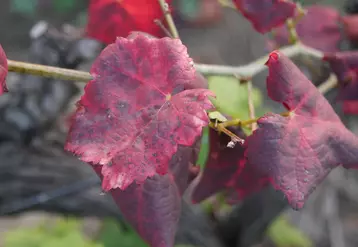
(136, 125)
(3, 71)
(266, 14)
(300, 150)
(319, 29)
(229, 169)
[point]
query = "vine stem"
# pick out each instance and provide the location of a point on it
(169, 19)
(257, 66)
(48, 71)
(247, 71)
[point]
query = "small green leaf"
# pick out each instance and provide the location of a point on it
(215, 115)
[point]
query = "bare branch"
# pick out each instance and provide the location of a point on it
(48, 71)
(253, 68)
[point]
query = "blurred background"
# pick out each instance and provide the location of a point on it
(48, 198)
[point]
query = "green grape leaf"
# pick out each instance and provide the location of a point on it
(63, 233)
(232, 97)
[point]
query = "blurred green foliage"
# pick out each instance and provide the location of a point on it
(189, 8)
(113, 236)
(283, 234)
(25, 7)
(64, 233)
(31, 8)
(64, 5)
(67, 232)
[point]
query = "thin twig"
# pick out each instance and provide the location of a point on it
(165, 30)
(169, 19)
(48, 71)
(251, 104)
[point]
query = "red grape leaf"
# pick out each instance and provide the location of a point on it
(181, 163)
(350, 26)
(152, 208)
(266, 14)
(108, 19)
(319, 29)
(300, 150)
(3, 71)
(345, 66)
(136, 111)
(350, 107)
(221, 166)
(228, 168)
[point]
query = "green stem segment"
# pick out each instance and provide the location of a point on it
(48, 71)
(251, 105)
